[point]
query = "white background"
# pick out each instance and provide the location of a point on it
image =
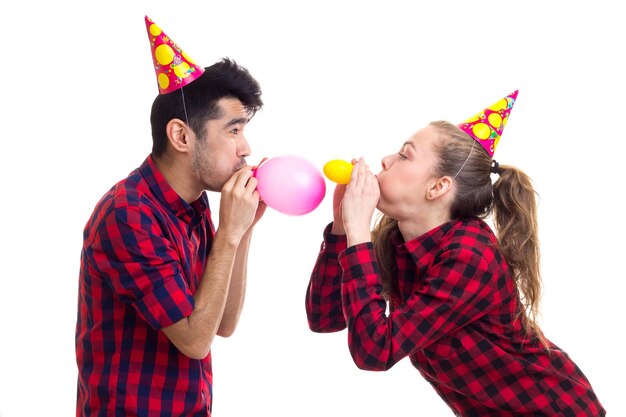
(341, 79)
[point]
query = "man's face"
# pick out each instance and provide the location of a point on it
(224, 149)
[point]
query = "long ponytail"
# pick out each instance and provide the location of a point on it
(515, 219)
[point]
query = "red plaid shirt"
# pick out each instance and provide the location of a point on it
(453, 312)
(143, 256)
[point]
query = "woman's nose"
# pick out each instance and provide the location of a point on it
(385, 163)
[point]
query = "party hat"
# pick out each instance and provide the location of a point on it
(487, 126)
(174, 69)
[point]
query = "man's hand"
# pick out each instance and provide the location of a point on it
(239, 204)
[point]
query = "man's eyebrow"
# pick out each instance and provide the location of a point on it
(237, 121)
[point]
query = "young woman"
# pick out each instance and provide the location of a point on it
(462, 302)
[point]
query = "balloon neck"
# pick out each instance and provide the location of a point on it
(256, 168)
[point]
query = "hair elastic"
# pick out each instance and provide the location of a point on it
(495, 167)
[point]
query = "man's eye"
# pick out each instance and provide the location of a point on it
(235, 131)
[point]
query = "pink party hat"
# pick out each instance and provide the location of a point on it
(174, 69)
(487, 126)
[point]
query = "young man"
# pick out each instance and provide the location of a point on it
(157, 281)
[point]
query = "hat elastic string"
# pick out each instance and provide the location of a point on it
(184, 106)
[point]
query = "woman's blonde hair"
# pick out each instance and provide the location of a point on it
(511, 202)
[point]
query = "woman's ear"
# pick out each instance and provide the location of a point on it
(439, 188)
(178, 134)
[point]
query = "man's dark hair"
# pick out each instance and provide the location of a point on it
(223, 79)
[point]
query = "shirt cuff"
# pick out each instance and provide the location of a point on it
(334, 244)
(166, 305)
(358, 261)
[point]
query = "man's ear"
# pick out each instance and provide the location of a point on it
(439, 188)
(178, 134)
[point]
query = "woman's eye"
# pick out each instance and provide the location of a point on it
(401, 155)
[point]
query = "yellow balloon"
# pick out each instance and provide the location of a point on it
(338, 171)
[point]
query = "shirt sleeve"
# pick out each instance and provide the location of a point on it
(323, 296)
(457, 290)
(132, 254)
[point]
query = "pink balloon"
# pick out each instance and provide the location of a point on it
(290, 184)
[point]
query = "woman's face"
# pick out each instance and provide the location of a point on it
(405, 176)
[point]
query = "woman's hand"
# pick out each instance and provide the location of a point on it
(359, 202)
(337, 227)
